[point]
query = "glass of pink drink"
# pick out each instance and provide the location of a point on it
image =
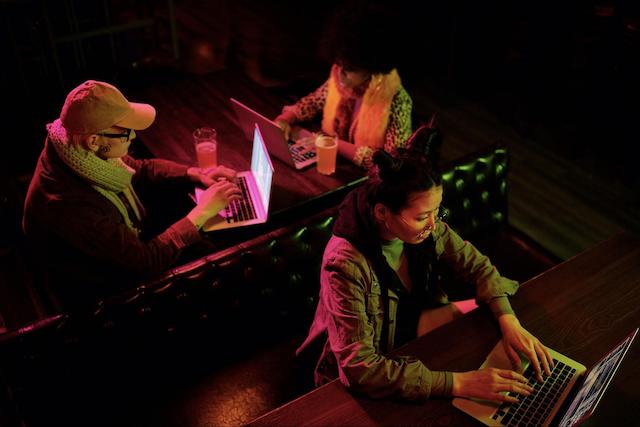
(206, 147)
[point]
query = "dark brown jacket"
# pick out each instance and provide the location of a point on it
(81, 238)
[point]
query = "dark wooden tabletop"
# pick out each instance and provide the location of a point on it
(185, 104)
(580, 308)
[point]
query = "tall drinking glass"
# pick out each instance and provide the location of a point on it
(326, 153)
(206, 142)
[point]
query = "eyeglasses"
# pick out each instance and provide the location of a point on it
(117, 135)
(439, 216)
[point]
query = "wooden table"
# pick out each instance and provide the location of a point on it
(184, 104)
(581, 308)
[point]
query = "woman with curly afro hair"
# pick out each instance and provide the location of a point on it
(363, 102)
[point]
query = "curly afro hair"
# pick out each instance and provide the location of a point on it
(362, 35)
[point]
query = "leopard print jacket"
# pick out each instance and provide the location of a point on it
(398, 129)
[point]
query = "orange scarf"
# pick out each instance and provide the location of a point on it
(371, 121)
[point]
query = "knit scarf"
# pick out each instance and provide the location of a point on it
(369, 126)
(108, 177)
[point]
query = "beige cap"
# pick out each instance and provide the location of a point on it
(94, 106)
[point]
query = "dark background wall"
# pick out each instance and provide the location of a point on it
(571, 66)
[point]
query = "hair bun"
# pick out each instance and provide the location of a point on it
(426, 140)
(388, 165)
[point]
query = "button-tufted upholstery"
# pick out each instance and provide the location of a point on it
(475, 191)
(211, 342)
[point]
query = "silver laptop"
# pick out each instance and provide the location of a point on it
(566, 398)
(298, 153)
(255, 184)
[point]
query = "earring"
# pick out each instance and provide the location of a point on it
(104, 149)
(377, 79)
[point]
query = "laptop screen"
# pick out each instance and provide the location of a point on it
(261, 167)
(595, 384)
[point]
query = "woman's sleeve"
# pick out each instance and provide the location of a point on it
(351, 337)
(399, 127)
(470, 265)
(397, 133)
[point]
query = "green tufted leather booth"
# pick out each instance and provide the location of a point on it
(212, 341)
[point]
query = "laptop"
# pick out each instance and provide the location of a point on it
(566, 398)
(255, 184)
(297, 153)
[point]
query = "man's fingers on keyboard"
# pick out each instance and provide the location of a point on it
(228, 184)
(233, 192)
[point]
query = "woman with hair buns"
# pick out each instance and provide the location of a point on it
(377, 293)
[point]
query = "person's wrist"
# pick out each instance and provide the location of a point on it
(287, 117)
(197, 218)
(507, 323)
(507, 319)
(456, 379)
(193, 173)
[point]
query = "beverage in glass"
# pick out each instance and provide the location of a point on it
(206, 147)
(326, 153)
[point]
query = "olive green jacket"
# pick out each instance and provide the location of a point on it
(350, 316)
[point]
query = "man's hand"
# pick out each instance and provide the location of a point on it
(207, 177)
(213, 200)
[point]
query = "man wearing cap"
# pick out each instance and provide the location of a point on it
(82, 214)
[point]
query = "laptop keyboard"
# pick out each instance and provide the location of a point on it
(298, 154)
(240, 210)
(535, 408)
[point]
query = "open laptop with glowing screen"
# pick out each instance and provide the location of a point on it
(298, 154)
(565, 398)
(255, 184)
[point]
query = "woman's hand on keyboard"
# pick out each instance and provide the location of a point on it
(285, 126)
(207, 177)
(490, 384)
(517, 339)
(304, 145)
(213, 200)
